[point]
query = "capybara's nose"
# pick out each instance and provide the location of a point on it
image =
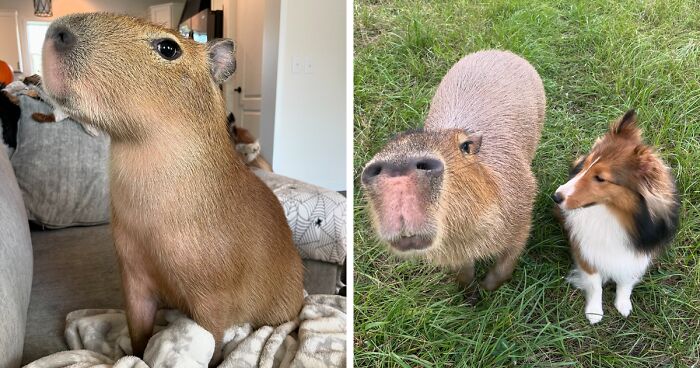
(423, 165)
(63, 39)
(557, 198)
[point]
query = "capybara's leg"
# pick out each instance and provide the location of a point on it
(218, 355)
(506, 262)
(141, 307)
(465, 279)
(214, 321)
(465, 274)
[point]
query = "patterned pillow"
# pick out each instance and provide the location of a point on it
(315, 215)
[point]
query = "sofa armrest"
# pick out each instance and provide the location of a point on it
(15, 266)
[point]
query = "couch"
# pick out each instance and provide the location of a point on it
(47, 273)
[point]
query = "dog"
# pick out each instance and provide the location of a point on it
(620, 208)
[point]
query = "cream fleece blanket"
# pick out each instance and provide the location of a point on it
(99, 338)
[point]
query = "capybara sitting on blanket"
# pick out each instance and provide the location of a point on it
(461, 189)
(194, 228)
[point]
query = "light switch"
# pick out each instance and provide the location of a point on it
(297, 64)
(308, 65)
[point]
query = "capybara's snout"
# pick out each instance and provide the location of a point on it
(402, 189)
(421, 166)
(61, 38)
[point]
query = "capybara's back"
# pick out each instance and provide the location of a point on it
(462, 188)
(497, 94)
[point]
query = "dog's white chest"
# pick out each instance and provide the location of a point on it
(605, 244)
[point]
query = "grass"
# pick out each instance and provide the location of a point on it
(597, 59)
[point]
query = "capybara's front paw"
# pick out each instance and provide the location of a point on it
(492, 282)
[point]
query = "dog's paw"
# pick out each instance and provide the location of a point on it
(594, 318)
(624, 306)
(594, 314)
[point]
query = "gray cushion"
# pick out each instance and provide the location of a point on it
(61, 170)
(74, 268)
(15, 266)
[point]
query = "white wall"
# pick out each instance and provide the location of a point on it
(25, 9)
(310, 126)
(270, 59)
(9, 50)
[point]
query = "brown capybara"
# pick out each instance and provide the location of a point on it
(193, 228)
(461, 188)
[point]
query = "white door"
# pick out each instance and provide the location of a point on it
(243, 22)
(9, 41)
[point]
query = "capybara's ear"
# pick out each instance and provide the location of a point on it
(626, 126)
(222, 63)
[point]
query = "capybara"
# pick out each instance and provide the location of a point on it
(193, 228)
(620, 208)
(461, 189)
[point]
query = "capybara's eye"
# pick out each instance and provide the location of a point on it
(464, 147)
(598, 179)
(167, 48)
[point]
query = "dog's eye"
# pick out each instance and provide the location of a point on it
(167, 49)
(598, 179)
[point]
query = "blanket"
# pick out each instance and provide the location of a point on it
(99, 338)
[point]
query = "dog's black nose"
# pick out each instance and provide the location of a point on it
(557, 198)
(63, 39)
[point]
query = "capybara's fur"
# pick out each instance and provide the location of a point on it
(461, 189)
(193, 227)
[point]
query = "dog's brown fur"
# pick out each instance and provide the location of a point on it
(194, 229)
(619, 170)
(12, 98)
(243, 140)
(492, 102)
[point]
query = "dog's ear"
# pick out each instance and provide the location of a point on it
(577, 166)
(626, 127)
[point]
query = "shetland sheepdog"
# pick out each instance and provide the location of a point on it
(619, 208)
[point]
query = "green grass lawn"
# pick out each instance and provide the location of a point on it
(596, 60)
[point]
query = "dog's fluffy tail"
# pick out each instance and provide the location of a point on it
(575, 278)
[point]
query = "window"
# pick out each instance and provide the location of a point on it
(35, 39)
